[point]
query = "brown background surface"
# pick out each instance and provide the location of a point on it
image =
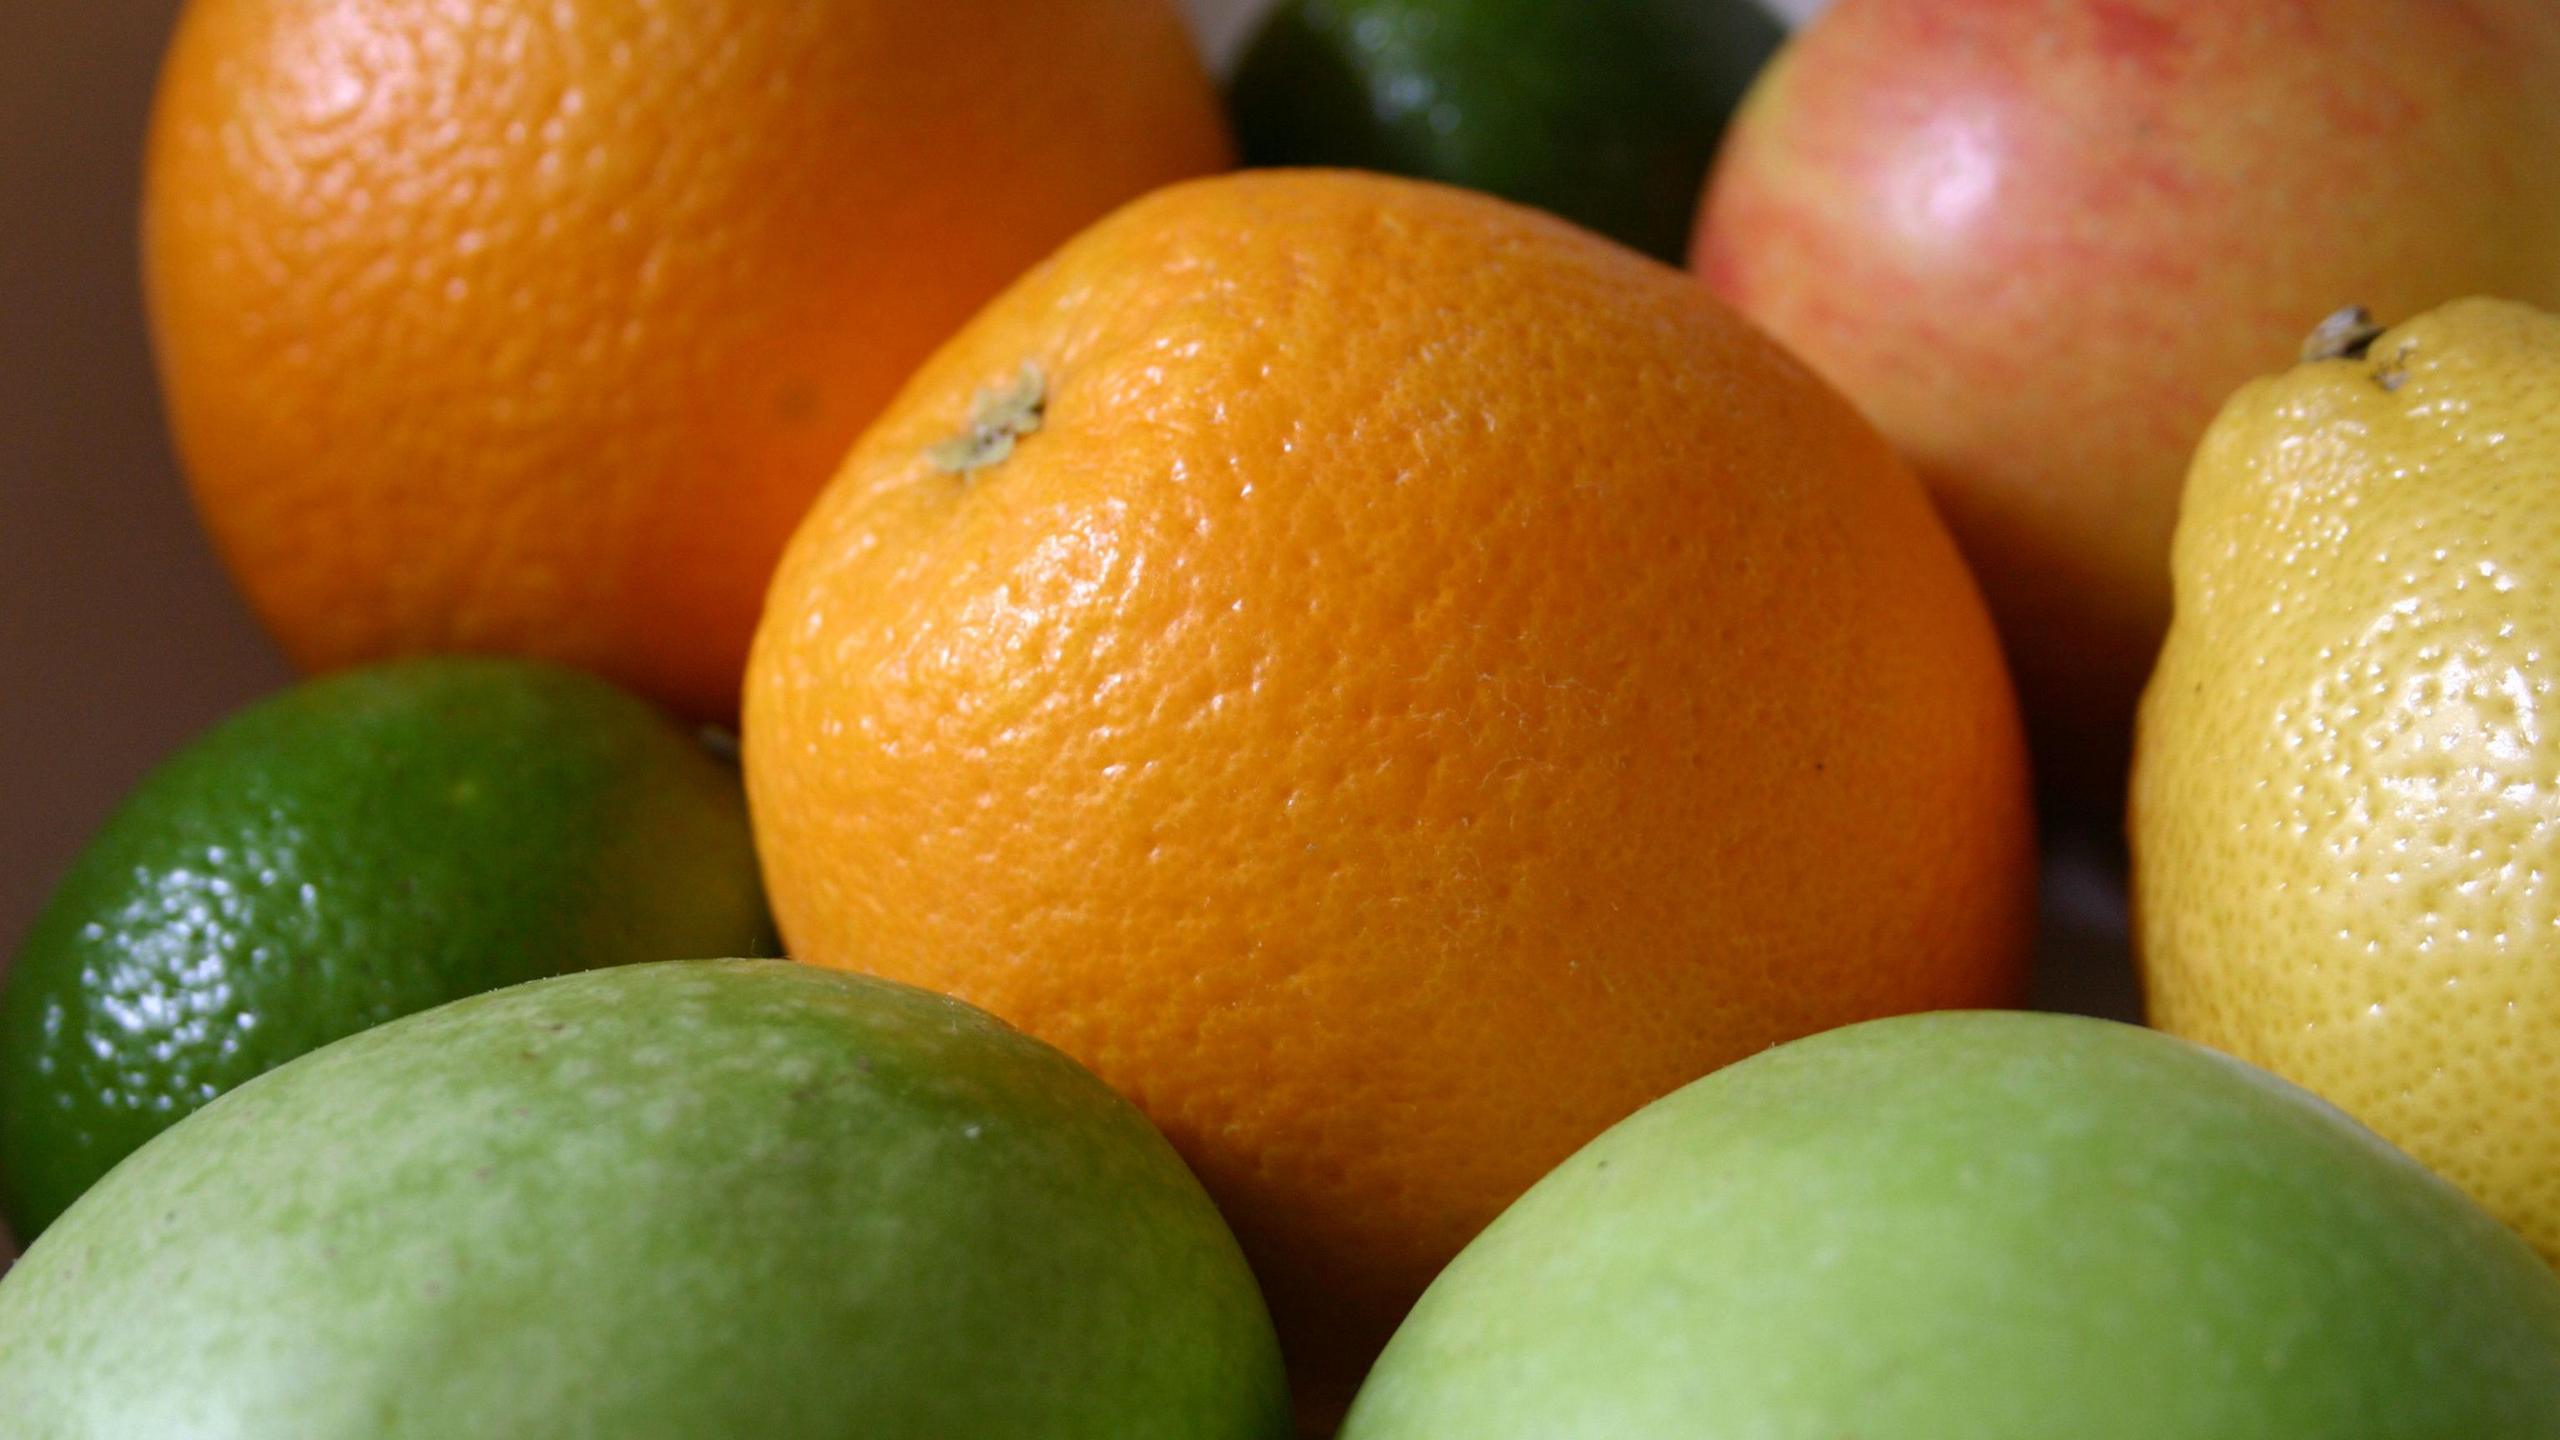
(118, 637)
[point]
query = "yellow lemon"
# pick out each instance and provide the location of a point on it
(2346, 795)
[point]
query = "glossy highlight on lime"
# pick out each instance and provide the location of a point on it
(355, 849)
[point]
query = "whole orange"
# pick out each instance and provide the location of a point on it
(1394, 683)
(535, 325)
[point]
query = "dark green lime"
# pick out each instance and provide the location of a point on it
(358, 848)
(1606, 112)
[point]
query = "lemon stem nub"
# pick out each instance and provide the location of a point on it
(2345, 335)
(1001, 415)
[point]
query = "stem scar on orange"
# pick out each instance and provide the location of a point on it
(1432, 682)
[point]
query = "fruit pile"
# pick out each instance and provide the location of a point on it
(1376, 801)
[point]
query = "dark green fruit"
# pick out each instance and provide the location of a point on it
(1606, 112)
(358, 848)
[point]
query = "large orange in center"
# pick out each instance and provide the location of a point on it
(1394, 683)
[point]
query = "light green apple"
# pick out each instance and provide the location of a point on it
(1982, 1227)
(733, 1200)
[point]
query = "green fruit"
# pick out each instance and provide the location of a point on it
(690, 1201)
(1982, 1227)
(1606, 112)
(355, 849)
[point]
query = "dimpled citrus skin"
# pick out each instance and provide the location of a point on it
(2346, 801)
(1433, 682)
(360, 847)
(534, 326)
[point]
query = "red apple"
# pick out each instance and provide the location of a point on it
(2040, 241)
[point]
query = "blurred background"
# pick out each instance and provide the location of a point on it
(119, 637)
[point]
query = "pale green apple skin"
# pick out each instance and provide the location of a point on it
(733, 1200)
(1982, 1227)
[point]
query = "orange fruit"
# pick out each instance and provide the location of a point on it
(534, 325)
(1394, 683)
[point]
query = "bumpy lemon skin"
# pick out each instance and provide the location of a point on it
(2345, 811)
